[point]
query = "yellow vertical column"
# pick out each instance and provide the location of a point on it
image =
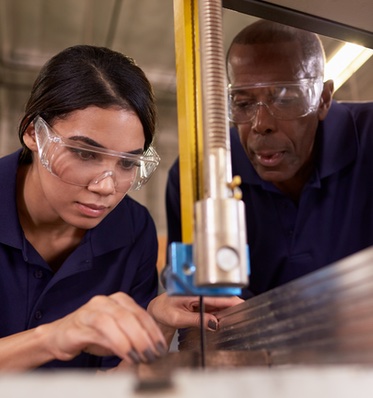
(188, 78)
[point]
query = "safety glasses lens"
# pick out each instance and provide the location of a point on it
(282, 100)
(81, 164)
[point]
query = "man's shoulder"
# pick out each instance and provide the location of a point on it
(357, 108)
(362, 116)
(351, 117)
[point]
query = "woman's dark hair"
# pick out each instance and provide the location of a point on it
(83, 76)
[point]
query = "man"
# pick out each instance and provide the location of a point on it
(304, 159)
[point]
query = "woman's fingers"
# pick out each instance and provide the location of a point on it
(113, 325)
(146, 338)
(213, 304)
(181, 312)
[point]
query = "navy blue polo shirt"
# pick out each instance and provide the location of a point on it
(119, 254)
(334, 217)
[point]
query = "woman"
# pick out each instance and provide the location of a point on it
(77, 256)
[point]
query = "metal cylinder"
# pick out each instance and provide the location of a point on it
(220, 249)
(216, 144)
(220, 253)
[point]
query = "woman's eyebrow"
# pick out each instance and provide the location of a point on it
(86, 140)
(137, 151)
(89, 141)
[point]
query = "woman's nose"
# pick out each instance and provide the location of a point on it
(104, 184)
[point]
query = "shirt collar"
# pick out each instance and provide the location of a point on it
(336, 141)
(116, 230)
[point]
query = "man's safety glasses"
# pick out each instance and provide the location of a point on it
(79, 163)
(283, 100)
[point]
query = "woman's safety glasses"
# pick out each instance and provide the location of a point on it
(82, 164)
(283, 100)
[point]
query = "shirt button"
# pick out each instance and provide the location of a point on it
(38, 315)
(290, 232)
(38, 274)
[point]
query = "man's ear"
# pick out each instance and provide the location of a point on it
(326, 99)
(29, 138)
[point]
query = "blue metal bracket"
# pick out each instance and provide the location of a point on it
(179, 275)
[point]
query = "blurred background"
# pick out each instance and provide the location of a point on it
(31, 31)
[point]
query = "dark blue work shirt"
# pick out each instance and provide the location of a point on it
(119, 254)
(334, 217)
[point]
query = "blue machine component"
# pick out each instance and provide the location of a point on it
(179, 275)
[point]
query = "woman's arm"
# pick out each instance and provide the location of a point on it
(106, 325)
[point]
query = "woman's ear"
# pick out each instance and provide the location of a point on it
(326, 99)
(29, 138)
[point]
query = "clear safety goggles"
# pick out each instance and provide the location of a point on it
(82, 164)
(283, 100)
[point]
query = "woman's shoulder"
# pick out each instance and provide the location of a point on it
(134, 205)
(129, 210)
(11, 159)
(128, 223)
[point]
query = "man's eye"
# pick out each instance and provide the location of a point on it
(243, 103)
(285, 101)
(286, 95)
(284, 98)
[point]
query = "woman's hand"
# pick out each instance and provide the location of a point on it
(180, 312)
(106, 325)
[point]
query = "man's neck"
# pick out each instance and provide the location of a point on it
(293, 188)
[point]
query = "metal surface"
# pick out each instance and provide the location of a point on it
(220, 249)
(336, 22)
(287, 382)
(216, 146)
(164, 367)
(324, 317)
